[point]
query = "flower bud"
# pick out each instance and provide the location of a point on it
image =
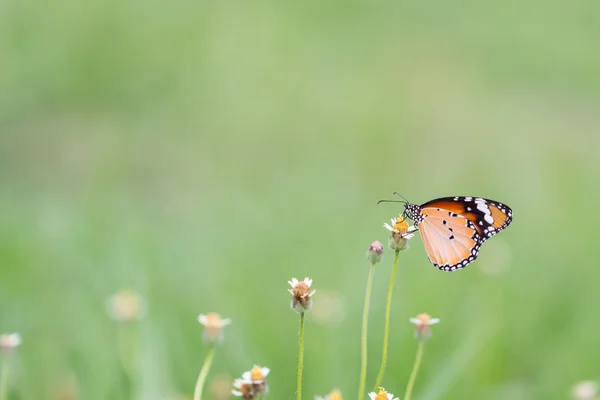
(375, 252)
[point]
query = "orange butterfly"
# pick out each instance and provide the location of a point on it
(454, 228)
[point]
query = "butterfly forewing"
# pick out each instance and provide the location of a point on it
(488, 216)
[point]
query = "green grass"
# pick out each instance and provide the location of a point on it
(203, 153)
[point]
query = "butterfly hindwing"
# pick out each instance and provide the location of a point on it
(450, 240)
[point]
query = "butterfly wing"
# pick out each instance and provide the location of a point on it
(454, 228)
(488, 216)
(450, 239)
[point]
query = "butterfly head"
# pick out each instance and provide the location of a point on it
(413, 211)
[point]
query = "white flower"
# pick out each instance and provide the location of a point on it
(213, 326)
(256, 374)
(400, 226)
(382, 395)
(253, 383)
(424, 320)
(9, 341)
(294, 283)
(301, 300)
(423, 324)
(585, 390)
(335, 395)
(213, 320)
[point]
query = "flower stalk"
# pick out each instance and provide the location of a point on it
(210, 355)
(423, 323)
(300, 356)
(8, 343)
(212, 335)
(363, 340)
(415, 370)
(386, 331)
(301, 302)
(4, 376)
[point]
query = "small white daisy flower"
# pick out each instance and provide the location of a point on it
(9, 341)
(256, 374)
(302, 295)
(423, 324)
(585, 390)
(335, 395)
(382, 395)
(253, 383)
(399, 225)
(401, 233)
(213, 326)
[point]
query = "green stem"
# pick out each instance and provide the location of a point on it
(300, 356)
(363, 340)
(416, 366)
(386, 331)
(204, 372)
(4, 376)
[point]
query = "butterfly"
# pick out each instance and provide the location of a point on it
(454, 228)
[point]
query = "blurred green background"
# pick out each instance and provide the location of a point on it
(203, 153)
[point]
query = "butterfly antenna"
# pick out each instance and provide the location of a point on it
(398, 194)
(390, 201)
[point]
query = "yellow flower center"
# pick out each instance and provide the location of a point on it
(335, 395)
(382, 395)
(213, 319)
(256, 374)
(401, 225)
(424, 318)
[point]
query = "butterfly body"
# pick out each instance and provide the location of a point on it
(454, 228)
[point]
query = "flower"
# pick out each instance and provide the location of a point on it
(382, 395)
(9, 341)
(375, 252)
(423, 324)
(213, 327)
(335, 395)
(302, 294)
(125, 306)
(256, 374)
(401, 233)
(585, 390)
(253, 383)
